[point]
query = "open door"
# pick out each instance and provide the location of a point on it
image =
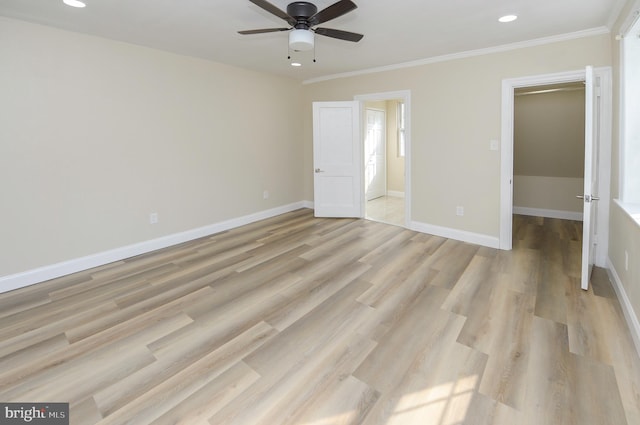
(337, 181)
(375, 158)
(591, 142)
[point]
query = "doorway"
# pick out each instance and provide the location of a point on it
(375, 153)
(549, 150)
(386, 159)
(603, 128)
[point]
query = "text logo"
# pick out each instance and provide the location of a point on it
(34, 413)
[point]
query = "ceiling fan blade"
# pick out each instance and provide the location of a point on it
(274, 10)
(332, 12)
(261, 31)
(339, 34)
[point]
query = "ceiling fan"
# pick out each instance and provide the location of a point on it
(303, 16)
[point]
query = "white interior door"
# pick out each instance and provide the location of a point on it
(375, 160)
(591, 151)
(337, 182)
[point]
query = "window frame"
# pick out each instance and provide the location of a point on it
(629, 130)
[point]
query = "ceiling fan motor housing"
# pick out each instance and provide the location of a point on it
(302, 11)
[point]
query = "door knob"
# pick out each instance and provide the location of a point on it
(319, 170)
(588, 198)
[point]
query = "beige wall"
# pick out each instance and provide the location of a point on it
(96, 134)
(456, 111)
(624, 234)
(549, 134)
(548, 163)
(548, 193)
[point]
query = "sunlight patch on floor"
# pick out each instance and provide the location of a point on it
(445, 404)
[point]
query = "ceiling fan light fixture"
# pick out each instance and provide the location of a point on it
(301, 40)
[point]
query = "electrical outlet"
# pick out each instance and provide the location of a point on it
(153, 218)
(265, 194)
(460, 211)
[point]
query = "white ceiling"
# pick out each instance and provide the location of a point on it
(395, 32)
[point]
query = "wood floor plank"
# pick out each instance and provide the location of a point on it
(522, 268)
(208, 400)
(392, 306)
(508, 346)
(473, 290)
(33, 353)
(317, 328)
(144, 328)
(587, 330)
(85, 412)
(386, 241)
(44, 326)
(349, 402)
(596, 397)
(498, 323)
(299, 320)
(323, 380)
(431, 391)
(308, 294)
(622, 354)
(548, 395)
(385, 278)
(551, 302)
(81, 378)
(302, 361)
(421, 326)
(462, 252)
(140, 396)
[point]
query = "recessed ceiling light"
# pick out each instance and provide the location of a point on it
(508, 18)
(296, 64)
(74, 3)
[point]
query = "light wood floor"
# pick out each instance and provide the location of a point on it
(298, 320)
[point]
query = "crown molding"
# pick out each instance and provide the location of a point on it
(467, 54)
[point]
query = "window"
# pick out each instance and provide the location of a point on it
(630, 110)
(401, 140)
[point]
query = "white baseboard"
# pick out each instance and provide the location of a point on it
(541, 212)
(459, 235)
(41, 274)
(625, 303)
(395, 194)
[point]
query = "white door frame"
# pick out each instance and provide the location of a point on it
(405, 96)
(506, 158)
